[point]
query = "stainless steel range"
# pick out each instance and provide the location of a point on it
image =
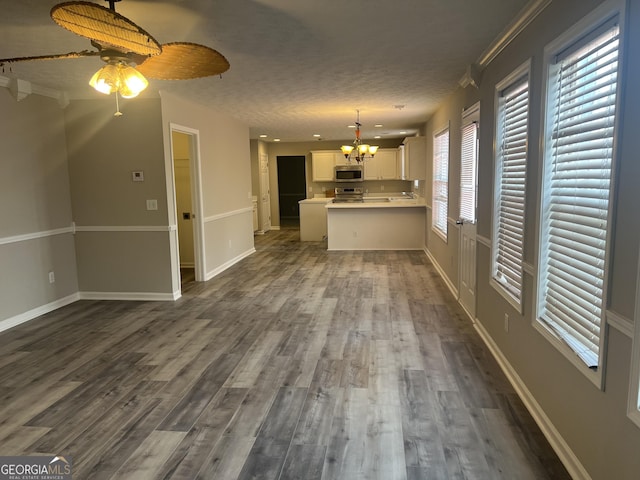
(348, 194)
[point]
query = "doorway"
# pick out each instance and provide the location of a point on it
(188, 264)
(182, 175)
(292, 186)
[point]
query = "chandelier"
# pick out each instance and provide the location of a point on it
(358, 151)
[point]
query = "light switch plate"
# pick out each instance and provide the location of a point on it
(152, 204)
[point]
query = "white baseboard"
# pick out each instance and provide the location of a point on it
(562, 449)
(131, 296)
(442, 273)
(11, 322)
(230, 263)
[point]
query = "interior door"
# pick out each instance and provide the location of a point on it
(468, 201)
(265, 194)
(291, 188)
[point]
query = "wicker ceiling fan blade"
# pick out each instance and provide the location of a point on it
(183, 61)
(56, 56)
(105, 26)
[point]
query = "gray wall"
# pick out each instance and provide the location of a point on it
(34, 201)
(593, 423)
(122, 254)
(61, 166)
(226, 179)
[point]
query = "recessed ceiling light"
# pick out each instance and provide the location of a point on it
(378, 125)
(377, 136)
(276, 139)
(317, 135)
(263, 136)
(351, 126)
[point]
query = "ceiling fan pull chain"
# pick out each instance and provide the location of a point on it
(118, 112)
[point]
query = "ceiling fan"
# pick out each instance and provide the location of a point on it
(122, 44)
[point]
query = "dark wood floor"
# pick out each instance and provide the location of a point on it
(297, 363)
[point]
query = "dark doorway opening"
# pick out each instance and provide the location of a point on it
(292, 187)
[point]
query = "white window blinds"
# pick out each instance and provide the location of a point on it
(468, 173)
(511, 166)
(440, 181)
(577, 188)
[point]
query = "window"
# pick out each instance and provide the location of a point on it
(469, 165)
(440, 182)
(577, 181)
(512, 128)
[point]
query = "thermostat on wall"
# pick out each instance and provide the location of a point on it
(137, 176)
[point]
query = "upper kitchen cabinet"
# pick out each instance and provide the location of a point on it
(413, 158)
(383, 166)
(323, 165)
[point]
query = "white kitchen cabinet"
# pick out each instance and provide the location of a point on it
(342, 160)
(413, 158)
(383, 166)
(323, 165)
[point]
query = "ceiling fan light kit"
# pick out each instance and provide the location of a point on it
(119, 78)
(130, 53)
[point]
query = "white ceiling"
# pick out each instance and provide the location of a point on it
(298, 67)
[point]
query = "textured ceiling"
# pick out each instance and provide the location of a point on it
(298, 67)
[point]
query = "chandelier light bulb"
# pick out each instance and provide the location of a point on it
(346, 149)
(105, 80)
(132, 82)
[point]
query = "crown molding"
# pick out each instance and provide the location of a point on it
(524, 18)
(530, 11)
(20, 89)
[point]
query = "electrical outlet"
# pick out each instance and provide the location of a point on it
(382, 188)
(506, 322)
(52, 277)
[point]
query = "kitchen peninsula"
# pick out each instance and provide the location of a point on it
(377, 223)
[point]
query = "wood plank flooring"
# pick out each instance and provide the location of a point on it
(297, 363)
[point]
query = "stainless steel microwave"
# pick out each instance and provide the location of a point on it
(349, 173)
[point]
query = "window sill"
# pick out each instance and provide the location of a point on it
(439, 233)
(594, 376)
(497, 286)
